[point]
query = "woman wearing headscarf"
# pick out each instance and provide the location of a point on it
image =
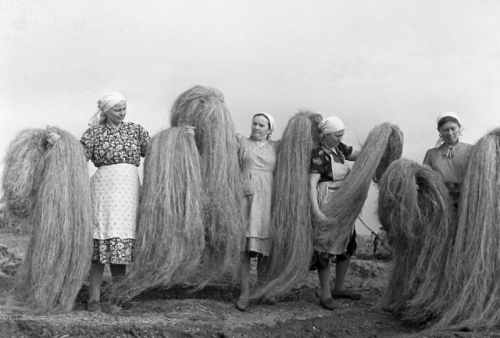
(328, 170)
(115, 147)
(257, 156)
(450, 156)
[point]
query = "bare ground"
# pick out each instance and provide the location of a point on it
(178, 312)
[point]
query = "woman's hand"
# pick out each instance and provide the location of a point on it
(319, 216)
(190, 130)
(354, 155)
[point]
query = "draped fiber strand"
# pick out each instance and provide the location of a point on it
(473, 298)
(447, 275)
(291, 231)
(414, 209)
(383, 145)
(204, 108)
(60, 247)
(22, 164)
(171, 237)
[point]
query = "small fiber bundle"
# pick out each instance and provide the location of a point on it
(171, 237)
(383, 145)
(414, 208)
(23, 163)
(473, 296)
(204, 108)
(291, 231)
(60, 248)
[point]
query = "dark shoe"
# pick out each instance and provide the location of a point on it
(328, 304)
(242, 303)
(345, 294)
(94, 306)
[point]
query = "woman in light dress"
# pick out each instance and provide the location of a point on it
(450, 156)
(257, 156)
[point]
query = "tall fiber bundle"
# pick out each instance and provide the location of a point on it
(60, 248)
(23, 163)
(204, 108)
(291, 231)
(414, 208)
(171, 237)
(383, 145)
(473, 298)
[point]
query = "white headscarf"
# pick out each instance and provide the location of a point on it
(450, 152)
(448, 114)
(272, 124)
(330, 125)
(106, 103)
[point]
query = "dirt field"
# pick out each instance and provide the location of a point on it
(178, 312)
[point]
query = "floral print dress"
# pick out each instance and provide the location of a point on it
(115, 188)
(331, 166)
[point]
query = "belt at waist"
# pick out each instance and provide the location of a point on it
(123, 164)
(257, 169)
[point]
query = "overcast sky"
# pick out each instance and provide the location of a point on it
(367, 62)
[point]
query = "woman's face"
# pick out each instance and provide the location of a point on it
(333, 139)
(117, 113)
(260, 128)
(450, 132)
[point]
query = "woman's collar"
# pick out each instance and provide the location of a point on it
(113, 127)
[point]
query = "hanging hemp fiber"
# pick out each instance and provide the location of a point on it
(171, 236)
(60, 247)
(383, 145)
(204, 108)
(22, 165)
(414, 209)
(472, 299)
(291, 231)
(454, 280)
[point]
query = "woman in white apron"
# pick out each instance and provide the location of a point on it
(328, 170)
(115, 147)
(257, 156)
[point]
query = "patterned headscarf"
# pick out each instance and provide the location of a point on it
(103, 105)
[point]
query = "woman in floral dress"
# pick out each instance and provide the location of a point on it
(115, 147)
(257, 156)
(328, 170)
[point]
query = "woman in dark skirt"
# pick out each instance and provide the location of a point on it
(328, 170)
(115, 147)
